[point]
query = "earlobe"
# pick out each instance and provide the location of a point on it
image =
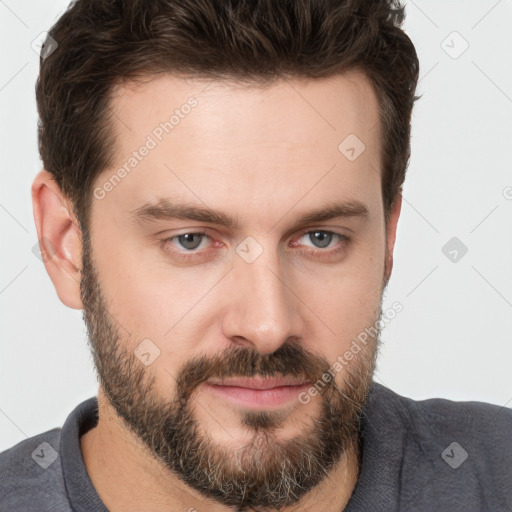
(391, 234)
(59, 238)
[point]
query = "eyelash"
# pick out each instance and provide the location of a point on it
(344, 240)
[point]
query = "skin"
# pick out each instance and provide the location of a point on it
(264, 156)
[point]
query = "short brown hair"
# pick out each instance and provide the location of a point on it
(102, 43)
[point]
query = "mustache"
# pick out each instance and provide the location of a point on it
(288, 359)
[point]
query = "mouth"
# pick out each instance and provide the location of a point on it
(257, 392)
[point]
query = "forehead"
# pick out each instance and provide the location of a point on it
(308, 108)
(227, 142)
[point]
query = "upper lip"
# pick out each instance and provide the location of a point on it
(257, 382)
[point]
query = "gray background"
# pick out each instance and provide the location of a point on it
(452, 338)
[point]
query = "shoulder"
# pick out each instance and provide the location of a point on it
(433, 454)
(31, 475)
(462, 448)
(445, 409)
(481, 424)
(461, 417)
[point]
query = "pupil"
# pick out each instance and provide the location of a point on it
(324, 238)
(187, 240)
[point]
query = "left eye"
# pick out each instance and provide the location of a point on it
(320, 239)
(190, 241)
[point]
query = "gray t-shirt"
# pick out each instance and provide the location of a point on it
(417, 456)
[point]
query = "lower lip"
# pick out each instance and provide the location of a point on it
(258, 398)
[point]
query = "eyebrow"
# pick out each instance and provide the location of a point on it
(164, 209)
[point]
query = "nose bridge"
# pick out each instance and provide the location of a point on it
(262, 311)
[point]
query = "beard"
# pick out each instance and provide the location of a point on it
(265, 472)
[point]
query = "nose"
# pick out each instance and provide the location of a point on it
(263, 310)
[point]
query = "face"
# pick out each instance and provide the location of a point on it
(228, 272)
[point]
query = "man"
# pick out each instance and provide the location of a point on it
(221, 193)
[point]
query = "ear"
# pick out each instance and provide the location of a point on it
(59, 238)
(391, 234)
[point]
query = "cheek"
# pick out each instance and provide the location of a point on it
(344, 301)
(144, 291)
(163, 311)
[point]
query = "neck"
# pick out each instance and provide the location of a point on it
(127, 476)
